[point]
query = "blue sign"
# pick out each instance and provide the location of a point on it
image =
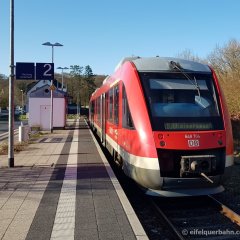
(44, 71)
(25, 71)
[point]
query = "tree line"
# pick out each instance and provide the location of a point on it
(80, 84)
(81, 81)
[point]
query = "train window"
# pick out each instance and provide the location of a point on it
(126, 115)
(116, 104)
(178, 103)
(92, 108)
(98, 109)
(110, 105)
(106, 106)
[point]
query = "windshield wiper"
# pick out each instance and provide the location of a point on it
(177, 66)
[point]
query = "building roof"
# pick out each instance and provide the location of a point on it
(44, 92)
(33, 84)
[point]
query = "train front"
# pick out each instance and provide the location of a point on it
(191, 127)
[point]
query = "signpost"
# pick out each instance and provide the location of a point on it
(25, 71)
(45, 71)
(42, 71)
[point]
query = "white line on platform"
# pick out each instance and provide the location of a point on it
(48, 140)
(67, 200)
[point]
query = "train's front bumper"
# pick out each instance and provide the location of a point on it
(185, 192)
(180, 187)
(154, 184)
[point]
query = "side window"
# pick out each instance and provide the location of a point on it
(110, 105)
(92, 108)
(107, 103)
(116, 104)
(98, 108)
(126, 115)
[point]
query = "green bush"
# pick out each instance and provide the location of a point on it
(23, 117)
(72, 116)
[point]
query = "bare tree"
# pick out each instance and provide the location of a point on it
(187, 54)
(226, 60)
(226, 63)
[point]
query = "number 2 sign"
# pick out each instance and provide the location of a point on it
(44, 71)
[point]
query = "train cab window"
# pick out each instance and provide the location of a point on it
(126, 115)
(178, 103)
(116, 104)
(110, 105)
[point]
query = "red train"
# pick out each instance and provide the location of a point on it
(165, 121)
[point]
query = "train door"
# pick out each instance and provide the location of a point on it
(116, 114)
(103, 119)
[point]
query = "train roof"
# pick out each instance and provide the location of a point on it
(156, 64)
(163, 64)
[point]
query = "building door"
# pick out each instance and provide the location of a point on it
(45, 117)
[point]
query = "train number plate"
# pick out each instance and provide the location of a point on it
(193, 143)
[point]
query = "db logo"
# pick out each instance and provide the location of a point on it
(193, 143)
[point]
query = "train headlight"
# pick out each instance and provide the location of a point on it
(160, 136)
(220, 142)
(162, 143)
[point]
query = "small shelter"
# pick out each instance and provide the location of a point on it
(40, 108)
(38, 84)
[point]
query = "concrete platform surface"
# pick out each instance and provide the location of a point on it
(62, 187)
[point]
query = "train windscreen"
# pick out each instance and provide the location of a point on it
(178, 103)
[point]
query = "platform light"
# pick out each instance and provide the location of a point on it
(63, 68)
(51, 111)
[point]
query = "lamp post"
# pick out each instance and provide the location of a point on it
(51, 110)
(11, 91)
(63, 68)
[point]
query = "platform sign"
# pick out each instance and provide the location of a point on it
(25, 71)
(44, 71)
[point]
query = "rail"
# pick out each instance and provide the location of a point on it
(4, 136)
(174, 217)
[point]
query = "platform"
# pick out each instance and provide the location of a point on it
(62, 187)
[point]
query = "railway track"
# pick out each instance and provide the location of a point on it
(179, 218)
(4, 136)
(198, 218)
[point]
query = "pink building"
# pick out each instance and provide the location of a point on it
(40, 106)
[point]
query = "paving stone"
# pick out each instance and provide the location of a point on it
(26, 212)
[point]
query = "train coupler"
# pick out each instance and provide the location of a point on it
(197, 165)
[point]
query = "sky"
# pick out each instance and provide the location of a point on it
(101, 33)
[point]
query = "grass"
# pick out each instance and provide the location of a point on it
(17, 147)
(20, 146)
(72, 116)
